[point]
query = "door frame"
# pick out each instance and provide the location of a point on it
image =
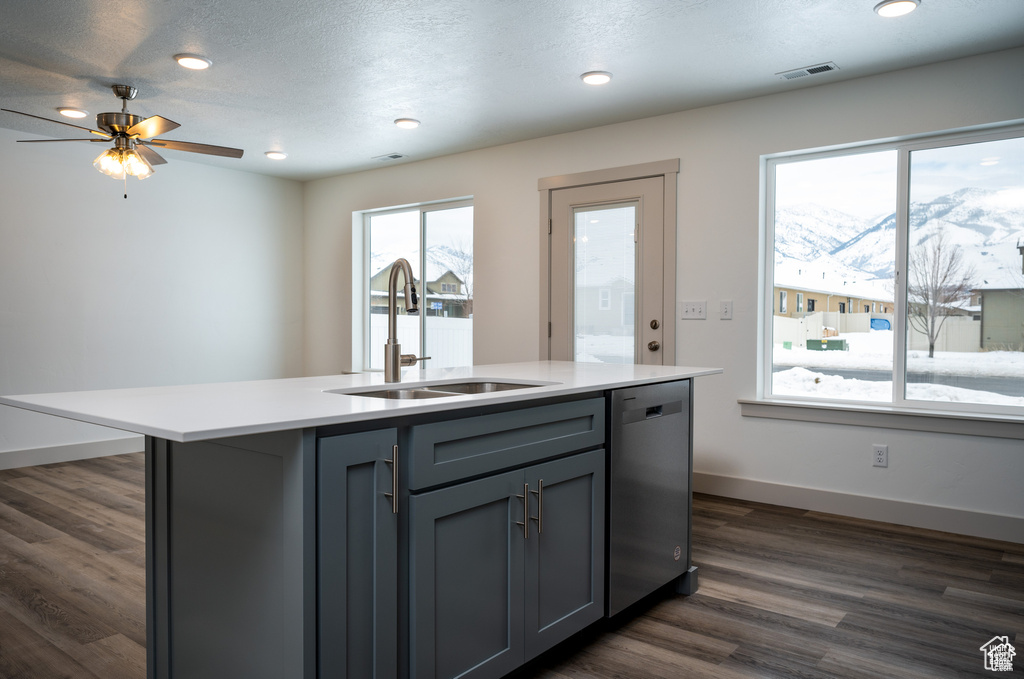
(669, 170)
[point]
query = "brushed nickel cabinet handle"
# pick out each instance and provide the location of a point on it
(525, 523)
(394, 479)
(540, 506)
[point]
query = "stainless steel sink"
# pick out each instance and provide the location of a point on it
(438, 390)
(479, 387)
(403, 393)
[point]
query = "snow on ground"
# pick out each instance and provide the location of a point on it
(803, 382)
(868, 351)
(874, 351)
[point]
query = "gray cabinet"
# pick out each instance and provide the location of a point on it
(358, 554)
(504, 567)
(565, 557)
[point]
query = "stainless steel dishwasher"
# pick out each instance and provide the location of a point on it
(649, 497)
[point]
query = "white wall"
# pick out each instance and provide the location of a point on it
(196, 277)
(717, 258)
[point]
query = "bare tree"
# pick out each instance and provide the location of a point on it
(939, 285)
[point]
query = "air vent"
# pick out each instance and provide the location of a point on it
(809, 70)
(388, 157)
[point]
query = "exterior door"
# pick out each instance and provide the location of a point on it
(611, 292)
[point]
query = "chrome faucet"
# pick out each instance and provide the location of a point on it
(394, 359)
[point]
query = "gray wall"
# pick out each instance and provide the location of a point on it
(196, 277)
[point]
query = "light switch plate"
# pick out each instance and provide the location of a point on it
(726, 310)
(693, 310)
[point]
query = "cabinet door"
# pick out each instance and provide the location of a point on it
(564, 587)
(358, 538)
(466, 566)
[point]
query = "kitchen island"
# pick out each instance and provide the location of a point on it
(304, 527)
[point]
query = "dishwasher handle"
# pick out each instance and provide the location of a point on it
(644, 412)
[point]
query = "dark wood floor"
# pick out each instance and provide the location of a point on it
(783, 592)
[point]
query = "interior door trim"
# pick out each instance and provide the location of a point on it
(669, 169)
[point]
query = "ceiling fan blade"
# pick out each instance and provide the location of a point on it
(149, 155)
(151, 127)
(106, 136)
(35, 141)
(192, 147)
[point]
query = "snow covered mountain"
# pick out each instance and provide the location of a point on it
(987, 225)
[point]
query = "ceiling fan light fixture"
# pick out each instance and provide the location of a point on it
(69, 112)
(895, 8)
(194, 62)
(596, 77)
(119, 163)
(407, 123)
(275, 155)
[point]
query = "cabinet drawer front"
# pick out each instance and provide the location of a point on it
(443, 452)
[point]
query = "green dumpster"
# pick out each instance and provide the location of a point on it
(828, 345)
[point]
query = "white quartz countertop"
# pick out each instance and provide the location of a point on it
(207, 411)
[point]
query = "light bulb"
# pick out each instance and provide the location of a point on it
(135, 165)
(118, 163)
(109, 163)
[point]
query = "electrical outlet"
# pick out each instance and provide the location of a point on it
(881, 455)
(694, 309)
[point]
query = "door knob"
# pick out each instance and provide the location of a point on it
(653, 345)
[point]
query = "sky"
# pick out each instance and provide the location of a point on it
(864, 184)
(396, 234)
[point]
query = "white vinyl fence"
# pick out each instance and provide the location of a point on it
(449, 340)
(958, 333)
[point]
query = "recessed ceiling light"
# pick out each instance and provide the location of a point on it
(193, 61)
(276, 155)
(596, 77)
(407, 123)
(896, 8)
(72, 112)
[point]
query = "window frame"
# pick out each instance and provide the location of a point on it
(421, 265)
(965, 416)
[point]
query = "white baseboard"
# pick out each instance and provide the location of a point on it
(962, 521)
(75, 451)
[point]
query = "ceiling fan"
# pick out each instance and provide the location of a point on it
(134, 139)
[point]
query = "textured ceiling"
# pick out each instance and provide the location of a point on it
(323, 81)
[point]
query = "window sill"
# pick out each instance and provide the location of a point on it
(887, 417)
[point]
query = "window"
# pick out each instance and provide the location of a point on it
(604, 302)
(939, 272)
(436, 239)
(799, 302)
